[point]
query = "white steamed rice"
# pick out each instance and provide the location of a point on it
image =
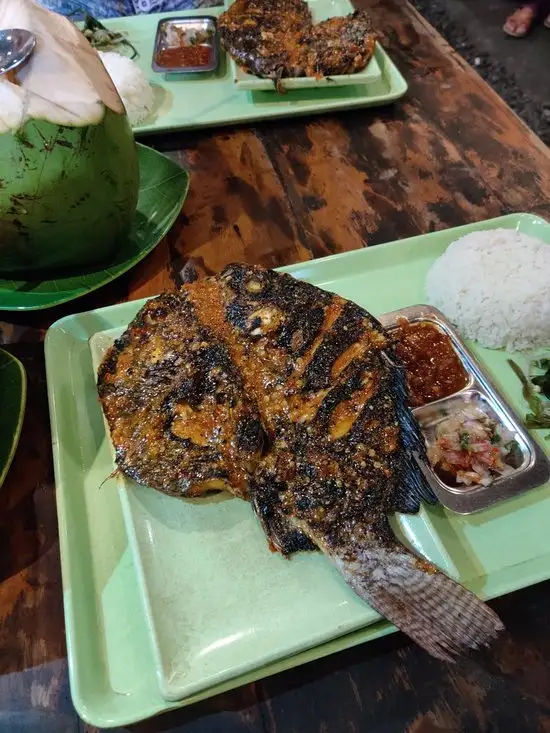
(130, 82)
(494, 286)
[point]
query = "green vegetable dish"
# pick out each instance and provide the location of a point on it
(103, 39)
(536, 392)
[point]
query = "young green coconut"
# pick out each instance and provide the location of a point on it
(69, 172)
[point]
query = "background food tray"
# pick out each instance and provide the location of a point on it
(112, 665)
(320, 10)
(204, 100)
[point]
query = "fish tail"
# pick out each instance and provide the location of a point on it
(443, 617)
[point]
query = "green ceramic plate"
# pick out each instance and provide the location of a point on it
(205, 100)
(111, 656)
(13, 394)
(162, 191)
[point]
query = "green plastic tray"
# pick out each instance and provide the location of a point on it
(112, 666)
(13, 397)
(206, 100)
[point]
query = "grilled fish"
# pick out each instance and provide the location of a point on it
(176, 406)
(277, 39)
(332, 454)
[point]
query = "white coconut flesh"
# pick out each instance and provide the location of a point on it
(63, 82)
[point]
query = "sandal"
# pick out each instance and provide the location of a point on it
(521, 21)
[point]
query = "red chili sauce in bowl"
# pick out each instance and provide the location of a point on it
(433, 367)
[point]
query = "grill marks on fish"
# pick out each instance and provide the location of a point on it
(176, 407)
(260, 316)
(277, 39)
(319, 415)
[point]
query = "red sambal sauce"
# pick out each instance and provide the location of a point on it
(433, 367)
(184, 56)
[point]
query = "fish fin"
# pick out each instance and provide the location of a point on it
(415, 485)
(440, 615)
(413, 488)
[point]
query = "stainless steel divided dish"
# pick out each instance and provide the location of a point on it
(533, 467)
(186, 31)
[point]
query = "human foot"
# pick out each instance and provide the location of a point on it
(521, 21)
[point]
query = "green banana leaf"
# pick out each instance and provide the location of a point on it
(13, 395)
(163, 188)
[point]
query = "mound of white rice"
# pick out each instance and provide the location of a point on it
(494, 286)
(130, 82)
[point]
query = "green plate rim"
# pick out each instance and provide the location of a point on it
(126, 265)
(396, 83)
(8, 357)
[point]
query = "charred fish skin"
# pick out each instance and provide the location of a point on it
(346, 453)
(277, 39)
(344, 470)
(178, 416)
(263, 37)
(321, 348)
(341, 45)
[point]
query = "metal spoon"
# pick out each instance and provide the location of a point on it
(16, 45)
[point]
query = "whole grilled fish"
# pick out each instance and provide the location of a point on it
(332, 451)
(277, 39)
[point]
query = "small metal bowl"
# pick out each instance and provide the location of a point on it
(533, 468)
(180, 32)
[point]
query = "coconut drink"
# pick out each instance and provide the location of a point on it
(68, 162)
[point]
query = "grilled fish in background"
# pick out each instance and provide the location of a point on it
(277, 39)
(268, 386)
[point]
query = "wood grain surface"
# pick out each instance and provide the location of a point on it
(449, 153)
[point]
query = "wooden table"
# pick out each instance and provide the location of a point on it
(449, 154)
